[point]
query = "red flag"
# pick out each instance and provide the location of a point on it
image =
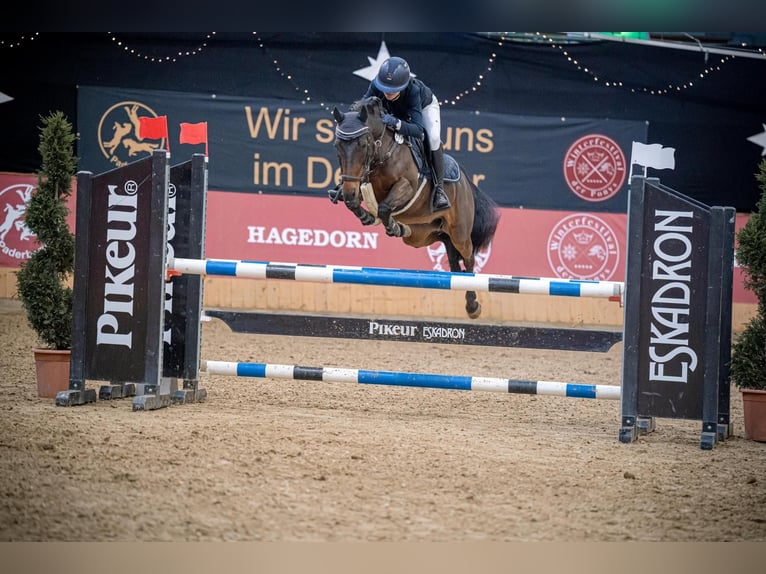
(194, 133)
(153, 128)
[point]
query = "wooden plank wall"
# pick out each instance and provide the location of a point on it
(392, 302)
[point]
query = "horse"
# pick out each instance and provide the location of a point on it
(377, 166)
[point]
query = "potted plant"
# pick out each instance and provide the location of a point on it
(42, 280)
(748, 360)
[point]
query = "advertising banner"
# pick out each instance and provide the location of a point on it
(17, 242)
(259, 145)
(118, 250)
(263, 227)
(541, 243)
(536, 243)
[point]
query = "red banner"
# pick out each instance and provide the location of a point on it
(312, 230)
(534, 243)
(296, 229)
(17, 242)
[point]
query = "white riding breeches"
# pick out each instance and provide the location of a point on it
(433, 124)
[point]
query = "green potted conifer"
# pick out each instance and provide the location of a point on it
(748, 359)
(43, 279)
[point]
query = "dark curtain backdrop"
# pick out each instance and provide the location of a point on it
(708, 123)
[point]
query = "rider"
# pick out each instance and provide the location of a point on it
(413, 110)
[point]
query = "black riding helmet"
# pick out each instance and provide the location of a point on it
(393, 76)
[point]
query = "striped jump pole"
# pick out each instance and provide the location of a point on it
(421, 380)
(448, 280)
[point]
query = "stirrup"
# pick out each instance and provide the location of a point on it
(440, 202)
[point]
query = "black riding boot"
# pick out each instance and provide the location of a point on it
(439, 199)
(336, 193)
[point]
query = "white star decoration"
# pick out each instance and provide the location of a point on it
(759, 139)
(4, 98)
(369, 72)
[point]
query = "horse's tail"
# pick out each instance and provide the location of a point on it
(486, 216)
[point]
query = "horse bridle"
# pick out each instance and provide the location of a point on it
(370, 162)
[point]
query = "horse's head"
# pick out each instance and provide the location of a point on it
(358, 134)
(373, 106)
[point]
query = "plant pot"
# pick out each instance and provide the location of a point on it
(52, 369)
(754, 407)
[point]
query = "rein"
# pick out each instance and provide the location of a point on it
(378, 143)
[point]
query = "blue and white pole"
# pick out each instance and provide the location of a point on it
(400, 278)
(422, 380)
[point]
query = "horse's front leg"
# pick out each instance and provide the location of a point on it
(393, 227)
(355, 206)
(385, 207)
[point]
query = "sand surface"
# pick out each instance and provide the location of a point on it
(277, 460)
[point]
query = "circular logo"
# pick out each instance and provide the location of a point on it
(119, 133)
(17, 242)
(594, 167)
(437, 253)
(583, 246)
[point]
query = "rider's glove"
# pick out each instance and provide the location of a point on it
(391, 122)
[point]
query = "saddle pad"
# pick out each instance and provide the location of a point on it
(451, 167)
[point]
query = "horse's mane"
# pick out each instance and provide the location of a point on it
(372, 101)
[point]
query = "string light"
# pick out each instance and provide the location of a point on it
(477, 84)
(538, 37)
(303, 93)
(503, 39)
(19, 42)
(162, 59)
(670, 88)
(306, 96)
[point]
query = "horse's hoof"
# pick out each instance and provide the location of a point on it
(475, 312)
(368, 219)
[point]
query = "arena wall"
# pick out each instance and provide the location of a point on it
(289, 296)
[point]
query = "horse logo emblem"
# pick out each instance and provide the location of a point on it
(119, 136)
(594, 167)
(437, 253)
(583, 246)
(17, 242)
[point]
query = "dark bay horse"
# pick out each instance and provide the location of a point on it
(379, 169)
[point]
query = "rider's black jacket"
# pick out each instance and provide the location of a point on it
(408, 107)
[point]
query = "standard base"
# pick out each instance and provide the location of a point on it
(109, 392)
(645, 425)
(708, 440)
(628, 434)
(71, 398)
(184, 396)
(725, 431)
(633, 427)
(150, 402)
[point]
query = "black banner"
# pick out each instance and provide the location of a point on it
(183, 293)
(677, 310)
(414, 331)
(259, 145)
(674, 283)
(120, 253)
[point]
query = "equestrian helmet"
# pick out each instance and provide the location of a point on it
(393, 76)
